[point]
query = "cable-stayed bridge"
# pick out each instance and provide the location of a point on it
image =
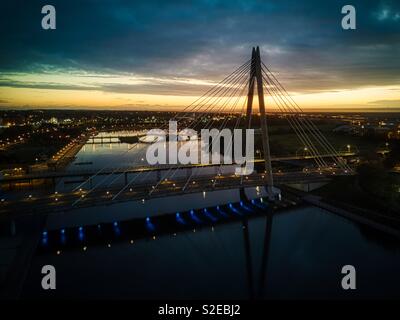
(235, 94)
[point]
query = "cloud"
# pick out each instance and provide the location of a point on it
(43, 85)
(386, 103)
(126, 85)
(302, 41)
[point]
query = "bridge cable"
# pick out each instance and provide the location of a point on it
(301, 119)
(209, 125)
(296, 126)
(198, 120)
(221, 127)
(212, 106)
(313, 128)
(211, 90)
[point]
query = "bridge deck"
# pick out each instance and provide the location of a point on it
(67, 201)
(128, 170)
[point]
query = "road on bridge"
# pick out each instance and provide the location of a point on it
(45, 203)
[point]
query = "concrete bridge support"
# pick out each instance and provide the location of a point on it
(256, 77)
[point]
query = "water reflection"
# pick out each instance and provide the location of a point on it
(265, 257)
(249, 266)
(118, 157)
(295, 254)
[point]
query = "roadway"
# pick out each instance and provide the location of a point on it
(46, 174)
(44, 203)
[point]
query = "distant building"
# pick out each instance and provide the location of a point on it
(53, 120)
(67, 121)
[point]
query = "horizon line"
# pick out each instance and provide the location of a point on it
(274, 110)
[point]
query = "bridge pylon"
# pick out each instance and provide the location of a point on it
(256, 77)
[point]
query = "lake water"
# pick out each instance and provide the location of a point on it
(119, 157)
(308, 247)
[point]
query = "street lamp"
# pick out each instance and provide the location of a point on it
(301, 151)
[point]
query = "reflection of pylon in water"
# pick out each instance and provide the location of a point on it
(256, 76)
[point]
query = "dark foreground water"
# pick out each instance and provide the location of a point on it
(308, 247)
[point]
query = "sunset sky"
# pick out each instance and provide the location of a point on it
(161, 55)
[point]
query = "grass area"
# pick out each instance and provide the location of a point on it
(349, 190)
(26, 153)
(289, 143)
(284, 141)
(346, 189)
